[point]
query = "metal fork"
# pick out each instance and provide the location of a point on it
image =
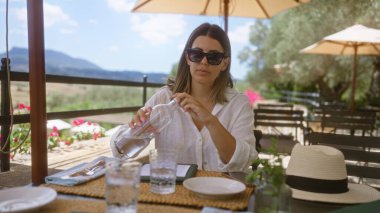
(90, 170)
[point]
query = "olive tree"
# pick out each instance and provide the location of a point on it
(274, 52)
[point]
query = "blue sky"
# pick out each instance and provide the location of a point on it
(106, 33)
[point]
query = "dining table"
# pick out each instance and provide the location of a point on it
(90, 197)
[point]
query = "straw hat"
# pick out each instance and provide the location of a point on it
(318, 173)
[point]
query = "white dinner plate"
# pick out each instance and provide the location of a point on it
(20, 199)
(214, 187)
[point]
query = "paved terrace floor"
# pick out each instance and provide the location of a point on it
(60, 158)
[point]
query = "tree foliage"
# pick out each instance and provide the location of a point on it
(96, 97)
(173, 71)
(277, 43)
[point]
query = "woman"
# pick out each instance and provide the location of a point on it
(214, 129)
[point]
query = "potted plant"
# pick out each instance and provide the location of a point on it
(271, 192)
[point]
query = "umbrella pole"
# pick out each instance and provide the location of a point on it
(226, 2)
(353, 80)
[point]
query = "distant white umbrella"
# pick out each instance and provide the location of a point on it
(354, 40)
(225, 8)
(59, 124)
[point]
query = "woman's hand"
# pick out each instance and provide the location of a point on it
(140, 117)
(223, 140)
(194, 107)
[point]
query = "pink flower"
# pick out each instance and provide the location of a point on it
(78, 122)
(89, 123)
(15, 140)
(68, 143)
(28, 108)
(252, 96)
(96, 135)
(55, 129)
(54, 134)
(21, 106)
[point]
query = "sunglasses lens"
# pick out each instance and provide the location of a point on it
(195, 55)
(215, 58)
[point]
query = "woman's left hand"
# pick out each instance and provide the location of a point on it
(194, 107)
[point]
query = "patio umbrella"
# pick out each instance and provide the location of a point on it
(239, 8)
(354, 40)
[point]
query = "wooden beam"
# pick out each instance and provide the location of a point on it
(37, 84)
(5, 111)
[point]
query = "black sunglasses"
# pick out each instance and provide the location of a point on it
(197, 55)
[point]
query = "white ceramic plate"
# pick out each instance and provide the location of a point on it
(20, 199)
(214, 187)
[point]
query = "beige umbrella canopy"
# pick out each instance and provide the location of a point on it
(355, 40)
(226, 8)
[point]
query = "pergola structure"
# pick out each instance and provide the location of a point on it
(37, 84)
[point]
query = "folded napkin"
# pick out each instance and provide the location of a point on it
(81, 173)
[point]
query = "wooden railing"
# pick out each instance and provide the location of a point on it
(5, 118)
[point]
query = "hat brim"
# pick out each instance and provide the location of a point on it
(357, 193)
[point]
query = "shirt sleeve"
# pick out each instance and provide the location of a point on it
(241, 128)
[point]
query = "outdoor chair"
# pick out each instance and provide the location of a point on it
(276, 106)
(334, 120)
(335, 105)
(258, 135)
(375, 110)
(281, 126)
(317, 112)
(361, 153)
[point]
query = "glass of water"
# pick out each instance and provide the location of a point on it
(163, 168)
(122, 185)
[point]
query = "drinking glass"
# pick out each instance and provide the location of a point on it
(163, 168)
(122, 185)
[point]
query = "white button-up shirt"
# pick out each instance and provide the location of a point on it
(197, 147)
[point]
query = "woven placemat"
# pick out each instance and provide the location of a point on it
(77, 205)
(19, 175)
(182, 196)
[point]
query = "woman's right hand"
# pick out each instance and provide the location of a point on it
(140, 117)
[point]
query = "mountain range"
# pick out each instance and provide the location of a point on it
(58, 63)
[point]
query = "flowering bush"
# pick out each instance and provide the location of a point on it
(252, 96)
(20, 140)
(53, 138)
(69, 141)
(86, 130)
(20, 136)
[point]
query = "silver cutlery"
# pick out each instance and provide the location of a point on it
(89, 170)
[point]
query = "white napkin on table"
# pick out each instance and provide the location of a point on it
(63, 178)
